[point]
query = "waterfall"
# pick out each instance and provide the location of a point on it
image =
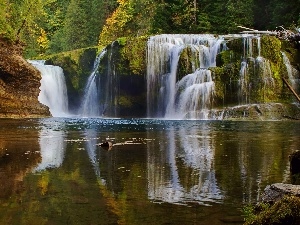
(53, 89)
(255, 72)
(91, 100)
(291, 71)
(170, 96)
(251, 55)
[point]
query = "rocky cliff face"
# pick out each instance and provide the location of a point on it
(19, 85)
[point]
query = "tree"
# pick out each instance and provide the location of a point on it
(115, 25)
(284, 13)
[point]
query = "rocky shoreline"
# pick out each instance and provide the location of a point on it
(19, 85)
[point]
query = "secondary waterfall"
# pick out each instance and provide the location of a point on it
(91, 101)
(255, 73)
(53, 90)
(291, 71)
(174, 97)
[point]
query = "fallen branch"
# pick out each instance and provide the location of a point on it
(291, 89)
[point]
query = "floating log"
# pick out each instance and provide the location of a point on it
(106, 145)
(291, 89)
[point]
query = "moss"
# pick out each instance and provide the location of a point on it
(271, 48)
(124, 101)
(285, 212)
(188, 62)
(225, 57)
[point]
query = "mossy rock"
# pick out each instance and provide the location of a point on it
(285, 212)
(188, 62)
(271, 48)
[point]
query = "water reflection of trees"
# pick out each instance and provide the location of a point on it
(17, 158)
(250, 156)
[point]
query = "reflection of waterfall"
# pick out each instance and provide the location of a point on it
(91, 102)
(91, 141)
(53, 88)
(168, 97)
(53, 148)
(197, 182)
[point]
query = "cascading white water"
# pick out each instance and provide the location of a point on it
(90, 105)
(291, 71)
(265, 72)
(189, 97)
(251, 44)
(53, 90)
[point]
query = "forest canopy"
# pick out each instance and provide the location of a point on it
(53, 26)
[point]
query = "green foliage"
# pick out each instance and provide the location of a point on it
(122, 41)
(115, 26)
(51, 26)
(285, 212)
(76, 23)
(135, 53)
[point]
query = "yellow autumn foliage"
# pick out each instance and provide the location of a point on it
(43, 41)
(115, 26)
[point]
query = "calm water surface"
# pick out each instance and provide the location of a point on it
(53, 171)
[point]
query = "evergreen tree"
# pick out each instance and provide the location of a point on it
(76, 25)
(261, 14)
(284, 13)
(238, 13)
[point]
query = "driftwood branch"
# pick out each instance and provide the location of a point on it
(252, 31)
(291, 89)
(280, 33)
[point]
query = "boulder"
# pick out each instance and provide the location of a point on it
(275, 192)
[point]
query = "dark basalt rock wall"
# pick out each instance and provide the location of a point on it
(19, 85)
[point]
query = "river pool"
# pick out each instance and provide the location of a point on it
(53, 171)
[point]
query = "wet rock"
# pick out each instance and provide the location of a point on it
(276, 192)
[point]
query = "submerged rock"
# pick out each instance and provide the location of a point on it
(19, 85)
